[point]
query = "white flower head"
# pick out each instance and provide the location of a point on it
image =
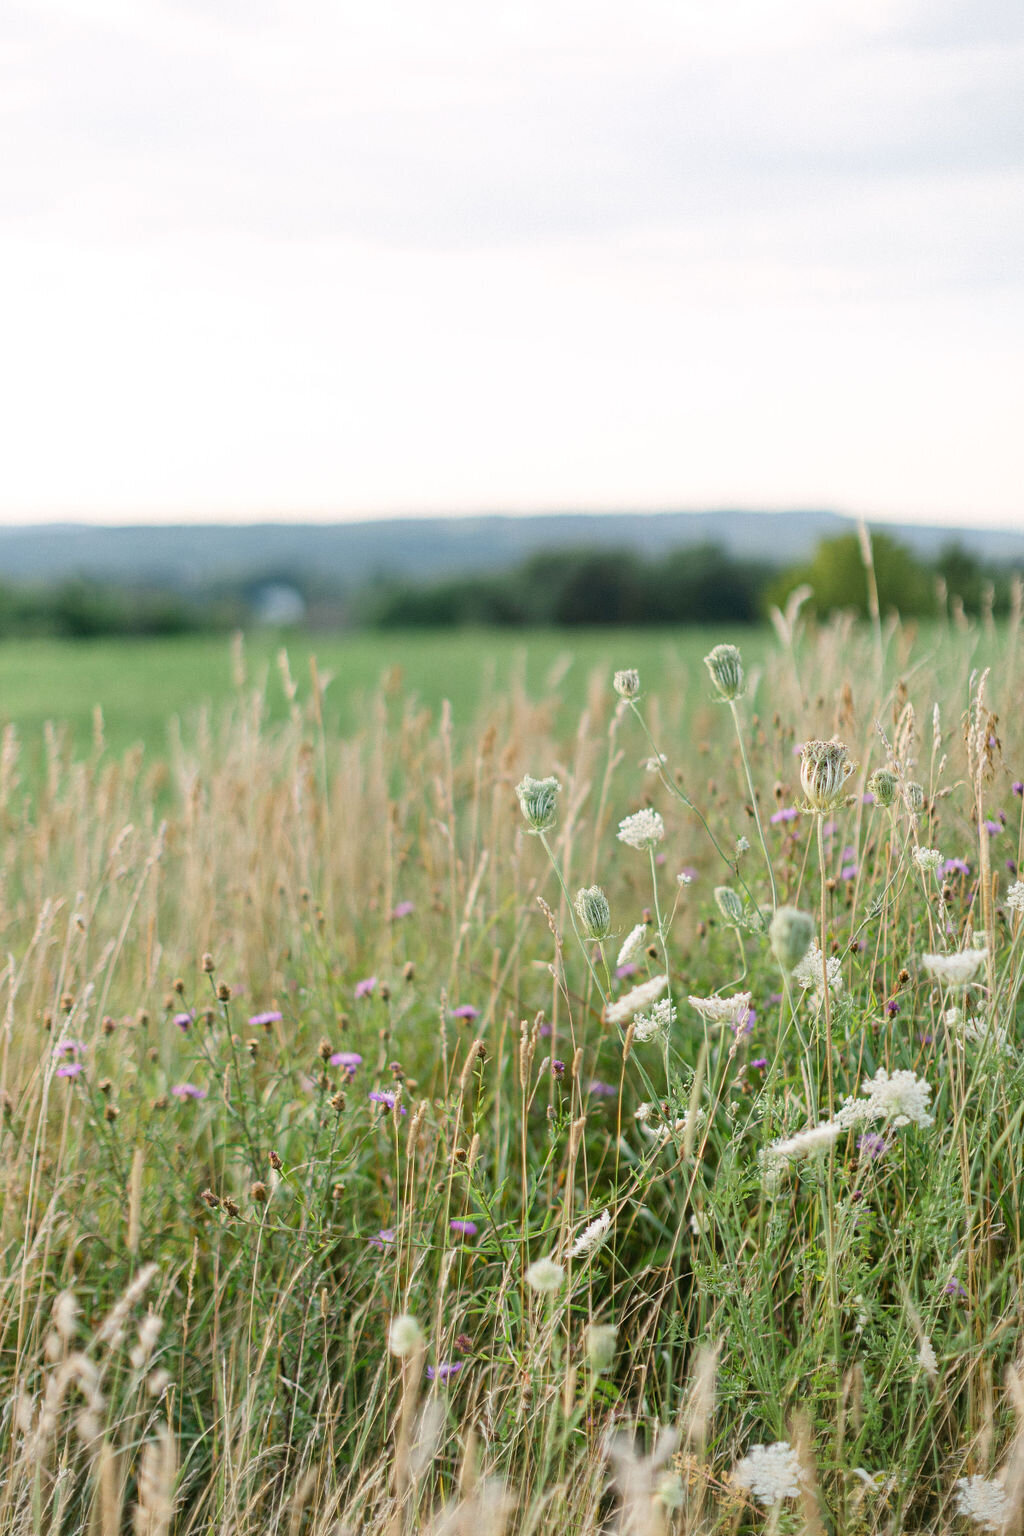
(684, 877)
(771, 1472)
(592, 1236)
(633, 943)
(627, 683)
(545, 1276)
(983, 1500)
(926, 1357)
(404, 1336)
(656, 1024)
(808, 973)
(901, 1097)
(957, 970)
(1015, 896)
(642, 830)
(927, 858)
(635, 1000)
(723, 1010)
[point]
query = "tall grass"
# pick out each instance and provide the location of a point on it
(301, 1034)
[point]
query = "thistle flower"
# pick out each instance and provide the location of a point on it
(545, 1277)
(464, 1228)
(366, 986)
(537, 801)
(656, 1024)
(927, 858)
(404, 1336)
(771, 1472)
(271, 1016)
(983, 1500)
(627, 683)
(188, 1091)
(593, 912)
(884, 785)
(634, 942)
(72, 1069)
(790, 932)
(350, 1060)
(956, 970)
(726, 667)
(592, 1236)
(642, 830)
(825, 767)
(723, 1010)
(635, 1000)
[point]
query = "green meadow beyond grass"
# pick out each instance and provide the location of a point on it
(468, 1085)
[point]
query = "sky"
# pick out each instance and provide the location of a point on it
(329, 259)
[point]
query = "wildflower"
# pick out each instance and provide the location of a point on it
(383, 1239)
(72, 1069)
(956, 970)
(599, 1090)
(726, 667)
(69, 1048)
(825, 767)
(366, 986)
(545, 1277)
(927, 858)
(593, 911)
(1018, 787)
(464, 1228)
(816, 1138)
(403, 909)
(955, 867)
(914, 796)
(723, 1010)
(633, 944)
(184, 1021)
(537, 799)
(627, 683)
(901, 1097)
(465, 1011)
(993, 828)
(873, 1145)
(983, 1500)
(730, 905)
(808, 973)
(388, 1099)
(601, 1339)
(656, 1024)
(1015, 896)
(790, 932)
(188, 1091)
(444, 1370)
(771, 1472)
(271, 1016)
(686, 877)
(883, 786)
(784, 814)
(742, 845)
(347, 1059)
(642, 830)
(404, 1336)
(926, 1356)
(954, 1288)
(592, 1236)
(635, 1001)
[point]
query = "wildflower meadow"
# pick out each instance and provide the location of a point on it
(512, 1123)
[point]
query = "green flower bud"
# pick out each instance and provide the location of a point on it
(537, 801)
(726, 667)
(730, 906)
(627, 683)
(790, 932)
(593, 911)
(915, 798)
(884, 785)
(825, 767)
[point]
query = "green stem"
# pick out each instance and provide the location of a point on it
(753, 803)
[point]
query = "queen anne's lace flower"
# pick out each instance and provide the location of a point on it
(723, 1010)
(901, 1097)
(983, 1500)
(957, 970)
(592, 1236)
(808, 974)
(642, 830)
(656, 1024)
(632, 944)
(635, 1000)
(927, 858)
(771, 1472)
(1015, 896)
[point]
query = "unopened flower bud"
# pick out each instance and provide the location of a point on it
(537, 800)
(883, 784)
(790, 932)
(915, 798)
(726, 667)
(593, 911)
(730, 905)
(825, 767)
(627, 683)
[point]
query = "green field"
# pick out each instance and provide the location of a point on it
(140, 685)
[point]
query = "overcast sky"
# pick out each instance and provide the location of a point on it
(328, 258)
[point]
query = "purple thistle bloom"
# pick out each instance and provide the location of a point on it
(69, 1048)
(71, 1070)
(745, 1026)
(625, 970)
(955, 867)
(270, 1017)
(867, 799)
(760, 1062)
(403, 909)
(602, 1090)
(389, 1100)
(465, 1228)
(873, 1145)
(465, 1011)
(787, 813)
(184, 1021)
(383, 1239)
(366, 986)
(954, 1288)
(829, 829)
(1018, 787)
(993, 828)
(444, 1370)
(558, 1068)
(347, 1059)
(188, 1091)
(848, 872)
(892, 1007)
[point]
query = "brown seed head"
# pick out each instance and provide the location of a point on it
(223, 992)
(208, 965)
(258, 1192)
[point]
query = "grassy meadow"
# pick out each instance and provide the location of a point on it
(356, 1176)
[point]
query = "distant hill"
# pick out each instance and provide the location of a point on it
(347, 555)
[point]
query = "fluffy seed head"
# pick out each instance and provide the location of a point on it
(404, 1336)
(538, 799)
(601, 1339)
(545, 1277)
(635, 1000)
(726, 667)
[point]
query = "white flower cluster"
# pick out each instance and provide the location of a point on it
(632, 944)
(1015, 896)
(682, 1126)
(808, 974)
(899, 1097)
(656, 1024)
(983, 1500)
(957, 970)
(592, 1236)
(723, 1010)
(771, 1472)
(635, 1000)
(978, 1029)
(642, 830)
(927, 858)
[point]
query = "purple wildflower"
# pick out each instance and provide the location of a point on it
(347, 1059)
(465, 1228)
(382, 1239)
(1018, 787)
(955, 867)
(184, 1021)
(867, 799)
(366, 986)
(69, 1048)
(403, 909)
(787, 813)
(465, 1011)
(265, 1019)
(445, 1369)
(954, 1288)
(760, 1062)
(892, 1007)
(188, 1091)
(775, 997)
(829, 829)
(848, 872)
(993, 828)
(71, 1070)
(745, 1026)
(625, 970)
(544, 1031)
(389, 1100)
(873, 1145)
(601, 1090)
(558, 1068)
